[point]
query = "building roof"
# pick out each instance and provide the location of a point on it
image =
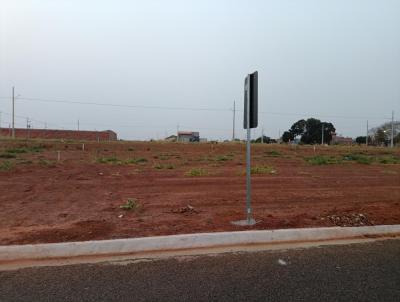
(186, 132)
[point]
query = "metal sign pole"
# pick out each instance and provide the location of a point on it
(248, 163)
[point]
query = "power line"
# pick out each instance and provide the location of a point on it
(195, 109)
(121, 105)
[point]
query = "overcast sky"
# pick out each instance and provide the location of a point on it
(335, 60)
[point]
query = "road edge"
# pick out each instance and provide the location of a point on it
(65, 250)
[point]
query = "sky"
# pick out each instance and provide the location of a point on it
(179, 64)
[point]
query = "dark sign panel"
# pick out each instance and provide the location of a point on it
(251, 95)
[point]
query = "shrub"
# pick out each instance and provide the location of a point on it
(108, 160)
(138, 160)
(273, 153)
(389, 160)
(8, 155)
(197, 172)
(322, 160)
(17, 150)
(30, 149)
(262, 170)
(131, 204)
(359, 158)
(46, 163)
(164, 166)
(223, 158)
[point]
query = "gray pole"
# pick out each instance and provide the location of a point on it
(13, 115)
(322, 140)
(248, 170)
(391, 137)
(78, 124)
(234, 117)
(262, 135)
(366, 137)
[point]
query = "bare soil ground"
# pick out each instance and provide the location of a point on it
(187, 188)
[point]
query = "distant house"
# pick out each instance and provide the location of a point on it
(171, 138)
(188, 136)
(107, 135)
(340, 140)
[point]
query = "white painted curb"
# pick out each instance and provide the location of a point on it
(188, 241)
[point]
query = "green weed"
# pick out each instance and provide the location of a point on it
(8, 155)
(138, 160)
(6, 166)
(131, 204)
(46, 163)
(273, 153)
(197, 172)
(108, 160)
(389, 160)
(159, 166)
(322, 160)
(359, 158)
(263, 170)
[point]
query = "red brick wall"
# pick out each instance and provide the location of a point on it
(61, 134)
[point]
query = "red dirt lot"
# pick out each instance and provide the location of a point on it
(79, 197)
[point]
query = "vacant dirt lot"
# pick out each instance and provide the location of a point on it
(186, 188)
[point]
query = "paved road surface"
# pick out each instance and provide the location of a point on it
(358, 272)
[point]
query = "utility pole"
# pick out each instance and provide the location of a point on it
(322, 140)
(0, 119)
(233, 124)
(391, 137)
(262, 135)
(13, 113)
(366, 137)
(78, 124)
(28, 126)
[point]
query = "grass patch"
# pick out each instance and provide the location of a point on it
(273, 153)
(164, 166)
(223, 158)
(197, 172)
(138, 160)
(262, 170)
(131, 205)
(31, 149)
(391, 160)
(322, 160)
(46, 163)
(114, 160)
(6, 165)
(108, 160)
(8, 155)
(359, 158)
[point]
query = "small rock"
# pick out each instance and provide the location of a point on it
(282, 262)
(120, 216)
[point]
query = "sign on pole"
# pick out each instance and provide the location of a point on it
(251, 101)
(250, 120)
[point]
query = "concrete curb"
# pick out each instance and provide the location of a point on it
(187, 242)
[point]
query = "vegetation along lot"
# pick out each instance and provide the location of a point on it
(63, 191)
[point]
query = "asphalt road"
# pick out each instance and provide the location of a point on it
(357, 272)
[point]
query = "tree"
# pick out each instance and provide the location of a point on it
(266, 140)
(380, 137)
(287, 136)
(310, 131)
(298, 128)
(396, 139)
(361, 140)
